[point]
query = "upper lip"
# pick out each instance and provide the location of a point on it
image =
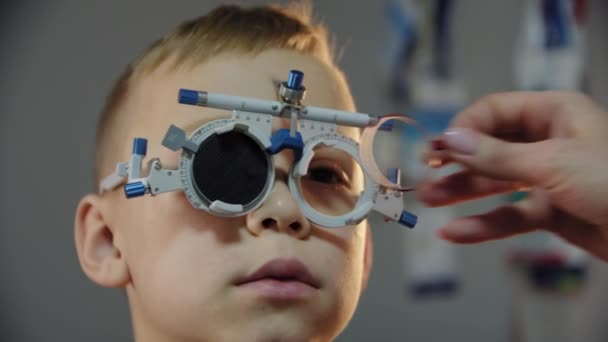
(282, 269)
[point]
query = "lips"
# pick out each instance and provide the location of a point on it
(281, 271)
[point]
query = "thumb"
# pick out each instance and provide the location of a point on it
(486, 155)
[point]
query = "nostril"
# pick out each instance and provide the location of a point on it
(267, 223)
(270, 223)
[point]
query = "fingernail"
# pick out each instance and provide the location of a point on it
(461, 140)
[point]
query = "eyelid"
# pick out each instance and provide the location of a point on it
(334, 166)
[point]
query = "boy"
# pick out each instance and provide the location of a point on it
(186, 271)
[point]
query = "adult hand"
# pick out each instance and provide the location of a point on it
(553, 143)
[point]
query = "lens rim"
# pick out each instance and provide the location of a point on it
(367, 152)
(364, 204)
(186, 172)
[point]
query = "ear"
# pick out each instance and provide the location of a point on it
(100, 258)
(368, 256)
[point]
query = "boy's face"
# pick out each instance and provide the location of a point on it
(186, 266)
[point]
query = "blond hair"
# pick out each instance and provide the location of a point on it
(226, 29)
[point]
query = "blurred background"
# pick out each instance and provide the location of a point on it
(428, 58)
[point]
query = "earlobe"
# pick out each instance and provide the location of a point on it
(100, 258)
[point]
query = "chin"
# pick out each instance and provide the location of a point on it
(288, 327)
(285, 334)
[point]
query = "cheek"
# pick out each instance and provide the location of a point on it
(342, 261)
(338, 258)
(178, 256)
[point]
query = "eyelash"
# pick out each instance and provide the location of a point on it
(337, 176)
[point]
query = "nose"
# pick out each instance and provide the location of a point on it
(280, 212)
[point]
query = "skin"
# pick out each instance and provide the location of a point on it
(552, 143)
(178, 264)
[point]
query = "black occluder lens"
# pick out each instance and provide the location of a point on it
(230, 167)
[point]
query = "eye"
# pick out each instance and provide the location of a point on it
(326, 175)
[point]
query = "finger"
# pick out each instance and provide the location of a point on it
(498, 224)
(525, 114)
(580, 233)
(527, 215)
(462, 186)
(533, 213)
(436, 159)
(437, 155)
(530, 163)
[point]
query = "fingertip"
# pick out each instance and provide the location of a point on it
(461, 140)
(450, 235)
(435, 158)
(429, 195)
(463, 231)
(442, 235)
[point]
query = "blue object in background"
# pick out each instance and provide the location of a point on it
(555, 19)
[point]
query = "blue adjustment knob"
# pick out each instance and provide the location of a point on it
(408, 219)
(140, 146)
(135, 189)
(294, 81)
(187, 96)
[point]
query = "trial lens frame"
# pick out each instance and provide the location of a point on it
(310, 128)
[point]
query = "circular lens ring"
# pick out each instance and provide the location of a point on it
(366, 199)
(367, 151)
(186, 167)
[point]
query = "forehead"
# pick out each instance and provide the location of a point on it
(155, 97)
